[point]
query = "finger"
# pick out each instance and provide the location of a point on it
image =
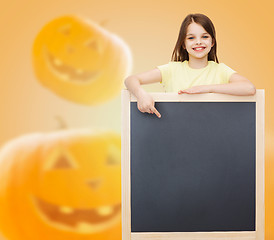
(148, 111)
(156, 112)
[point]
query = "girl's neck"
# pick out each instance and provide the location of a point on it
(197, 63)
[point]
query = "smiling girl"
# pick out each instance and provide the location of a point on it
(194, 67)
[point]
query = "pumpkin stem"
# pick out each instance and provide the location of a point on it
(62, 122)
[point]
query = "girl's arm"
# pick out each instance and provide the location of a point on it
(144, 100)
(238, 85)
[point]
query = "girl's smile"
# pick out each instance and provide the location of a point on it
(199, 49)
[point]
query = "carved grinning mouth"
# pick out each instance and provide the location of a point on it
(68, 73)
(80, 220)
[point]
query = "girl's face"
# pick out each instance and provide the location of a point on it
(198, 42)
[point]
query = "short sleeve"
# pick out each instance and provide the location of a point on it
(165, 72)
(226, 72)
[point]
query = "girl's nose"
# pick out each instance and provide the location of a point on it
(198, 41)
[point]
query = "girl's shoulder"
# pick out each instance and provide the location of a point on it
(224, 69)
(172, 65)
(221, 66)
(178, 63)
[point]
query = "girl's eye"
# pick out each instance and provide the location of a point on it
(203, 37)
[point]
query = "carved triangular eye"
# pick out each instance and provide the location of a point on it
(62, 163)
(59, 160)
(65, 29)
(114, 155)
(92, 44)
(111, 160)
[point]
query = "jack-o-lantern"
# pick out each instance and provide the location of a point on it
(61, 186)
(81, 61)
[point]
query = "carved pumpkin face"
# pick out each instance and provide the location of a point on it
(63, 185)
(80, 61)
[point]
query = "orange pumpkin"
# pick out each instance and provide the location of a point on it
(80, 61)
(61, 186)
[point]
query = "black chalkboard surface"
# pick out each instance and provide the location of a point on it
(194, 169)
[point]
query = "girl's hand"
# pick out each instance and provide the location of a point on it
(196, 89)
(145, 103)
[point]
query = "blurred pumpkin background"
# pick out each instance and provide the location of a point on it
(50, 70)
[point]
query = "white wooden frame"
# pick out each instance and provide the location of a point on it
(258, 234)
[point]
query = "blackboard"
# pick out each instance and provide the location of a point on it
(194, 168)
(196, 172)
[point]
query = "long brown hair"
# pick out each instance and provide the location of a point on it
(181, 54)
